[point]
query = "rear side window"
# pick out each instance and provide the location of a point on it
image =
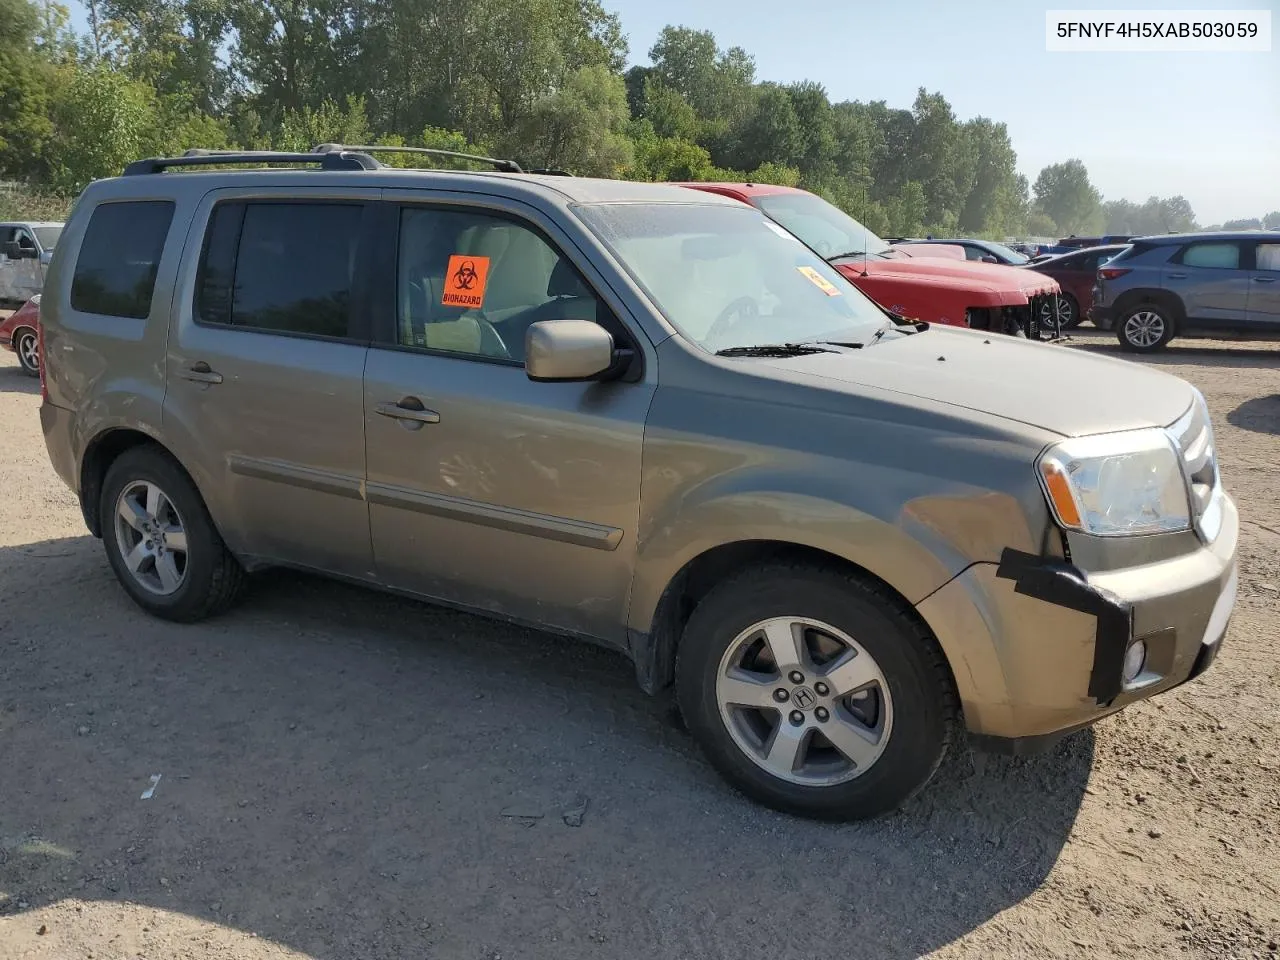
(1221, 256)
(280, 267)
(116, 270)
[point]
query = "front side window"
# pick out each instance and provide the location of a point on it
(48, 236)
(280, 267)
(1221, 256)
(473, 283)
(115, 272)
(727, 277)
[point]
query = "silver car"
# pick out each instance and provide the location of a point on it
(25, 251)
(645, 416)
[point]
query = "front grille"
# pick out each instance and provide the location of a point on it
(1193, 436)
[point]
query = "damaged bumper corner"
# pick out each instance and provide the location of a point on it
(1037, 647)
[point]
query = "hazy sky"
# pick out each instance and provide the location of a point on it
(1206, 126)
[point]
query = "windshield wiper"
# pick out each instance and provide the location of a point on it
(773, 350)
(842, 256)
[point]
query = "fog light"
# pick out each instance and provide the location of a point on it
(1135, 658)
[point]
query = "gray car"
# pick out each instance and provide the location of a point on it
(644, 416)
(1224, 285)
(26, 248)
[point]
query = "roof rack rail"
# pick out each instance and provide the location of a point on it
(334, 160)
(502, 166)
(548, 172)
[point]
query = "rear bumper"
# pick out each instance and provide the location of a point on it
(1037, 650)
(1100, 315)
(56, 424)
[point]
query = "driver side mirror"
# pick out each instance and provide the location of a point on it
(990, 259)
(569, 350)
(16, 251)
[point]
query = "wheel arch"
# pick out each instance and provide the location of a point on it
(654, 650)
(102, 451)
(1164, 298)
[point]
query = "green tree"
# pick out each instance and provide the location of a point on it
(174, 46)
(997, 198)
(666, 158)
(26, 79)
(1063, 191)
(102, 120)
(669, 112)
(772, 134)
(581, 127)
(1040, 224)
(1271, 221)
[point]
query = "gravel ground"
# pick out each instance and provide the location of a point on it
(350, 775)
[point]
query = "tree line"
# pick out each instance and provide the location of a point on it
(540, 81)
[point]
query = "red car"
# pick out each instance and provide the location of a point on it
(20, 333)
(1076, 273)
(963, 293)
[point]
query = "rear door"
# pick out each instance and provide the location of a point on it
(1264, 288)
(266, 373)
(1210, 277)
(485, 488)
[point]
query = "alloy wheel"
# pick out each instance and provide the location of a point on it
(28, 349)
(151, 538)
(1144, 328)
(804, 701)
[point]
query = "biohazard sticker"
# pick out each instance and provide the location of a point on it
(819, 281)
(465, 280)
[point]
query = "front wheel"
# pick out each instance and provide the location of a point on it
(1146, 328)
(26, 344)
(815, 692)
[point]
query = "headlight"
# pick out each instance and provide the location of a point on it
(1116, 484)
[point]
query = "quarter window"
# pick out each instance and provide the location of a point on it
(280, 267)
(473, 283)
(115, 272)
(1221, 256)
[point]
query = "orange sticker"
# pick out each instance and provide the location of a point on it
(819, 281)
(465, 280)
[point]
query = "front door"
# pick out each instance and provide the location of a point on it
(485, 488)
(266, 375)
(1210, 279)
(1264, 288)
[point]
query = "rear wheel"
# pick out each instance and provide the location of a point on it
(815, 693)
(1145, 328)
(161, 542)
(26, 344)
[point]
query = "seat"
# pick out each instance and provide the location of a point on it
(570, 299)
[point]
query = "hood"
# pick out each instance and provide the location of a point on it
(967, 274)
(1055, 388)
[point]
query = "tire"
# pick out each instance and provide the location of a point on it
(1070, 314)
(26, 344)
(1145, 328)
(205, 580)
(906, 702)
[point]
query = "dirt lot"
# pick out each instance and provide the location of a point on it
(349, 775)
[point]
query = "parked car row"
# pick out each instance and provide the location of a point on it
(20, 333)
(668, 420)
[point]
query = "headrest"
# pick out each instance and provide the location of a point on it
(565, 282)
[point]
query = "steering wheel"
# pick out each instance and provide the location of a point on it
(739, 310)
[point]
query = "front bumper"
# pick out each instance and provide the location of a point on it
(1037, 649)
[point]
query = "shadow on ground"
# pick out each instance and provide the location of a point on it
(1261, 415)
(14, 380)
(356, 775)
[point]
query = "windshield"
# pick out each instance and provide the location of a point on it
(48, 236)
(1008, 254)
(821, 225)
(727, 277)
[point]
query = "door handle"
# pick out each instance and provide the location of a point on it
(199, 372)
(1264, 279)
(410, 408)
(1177, 276)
